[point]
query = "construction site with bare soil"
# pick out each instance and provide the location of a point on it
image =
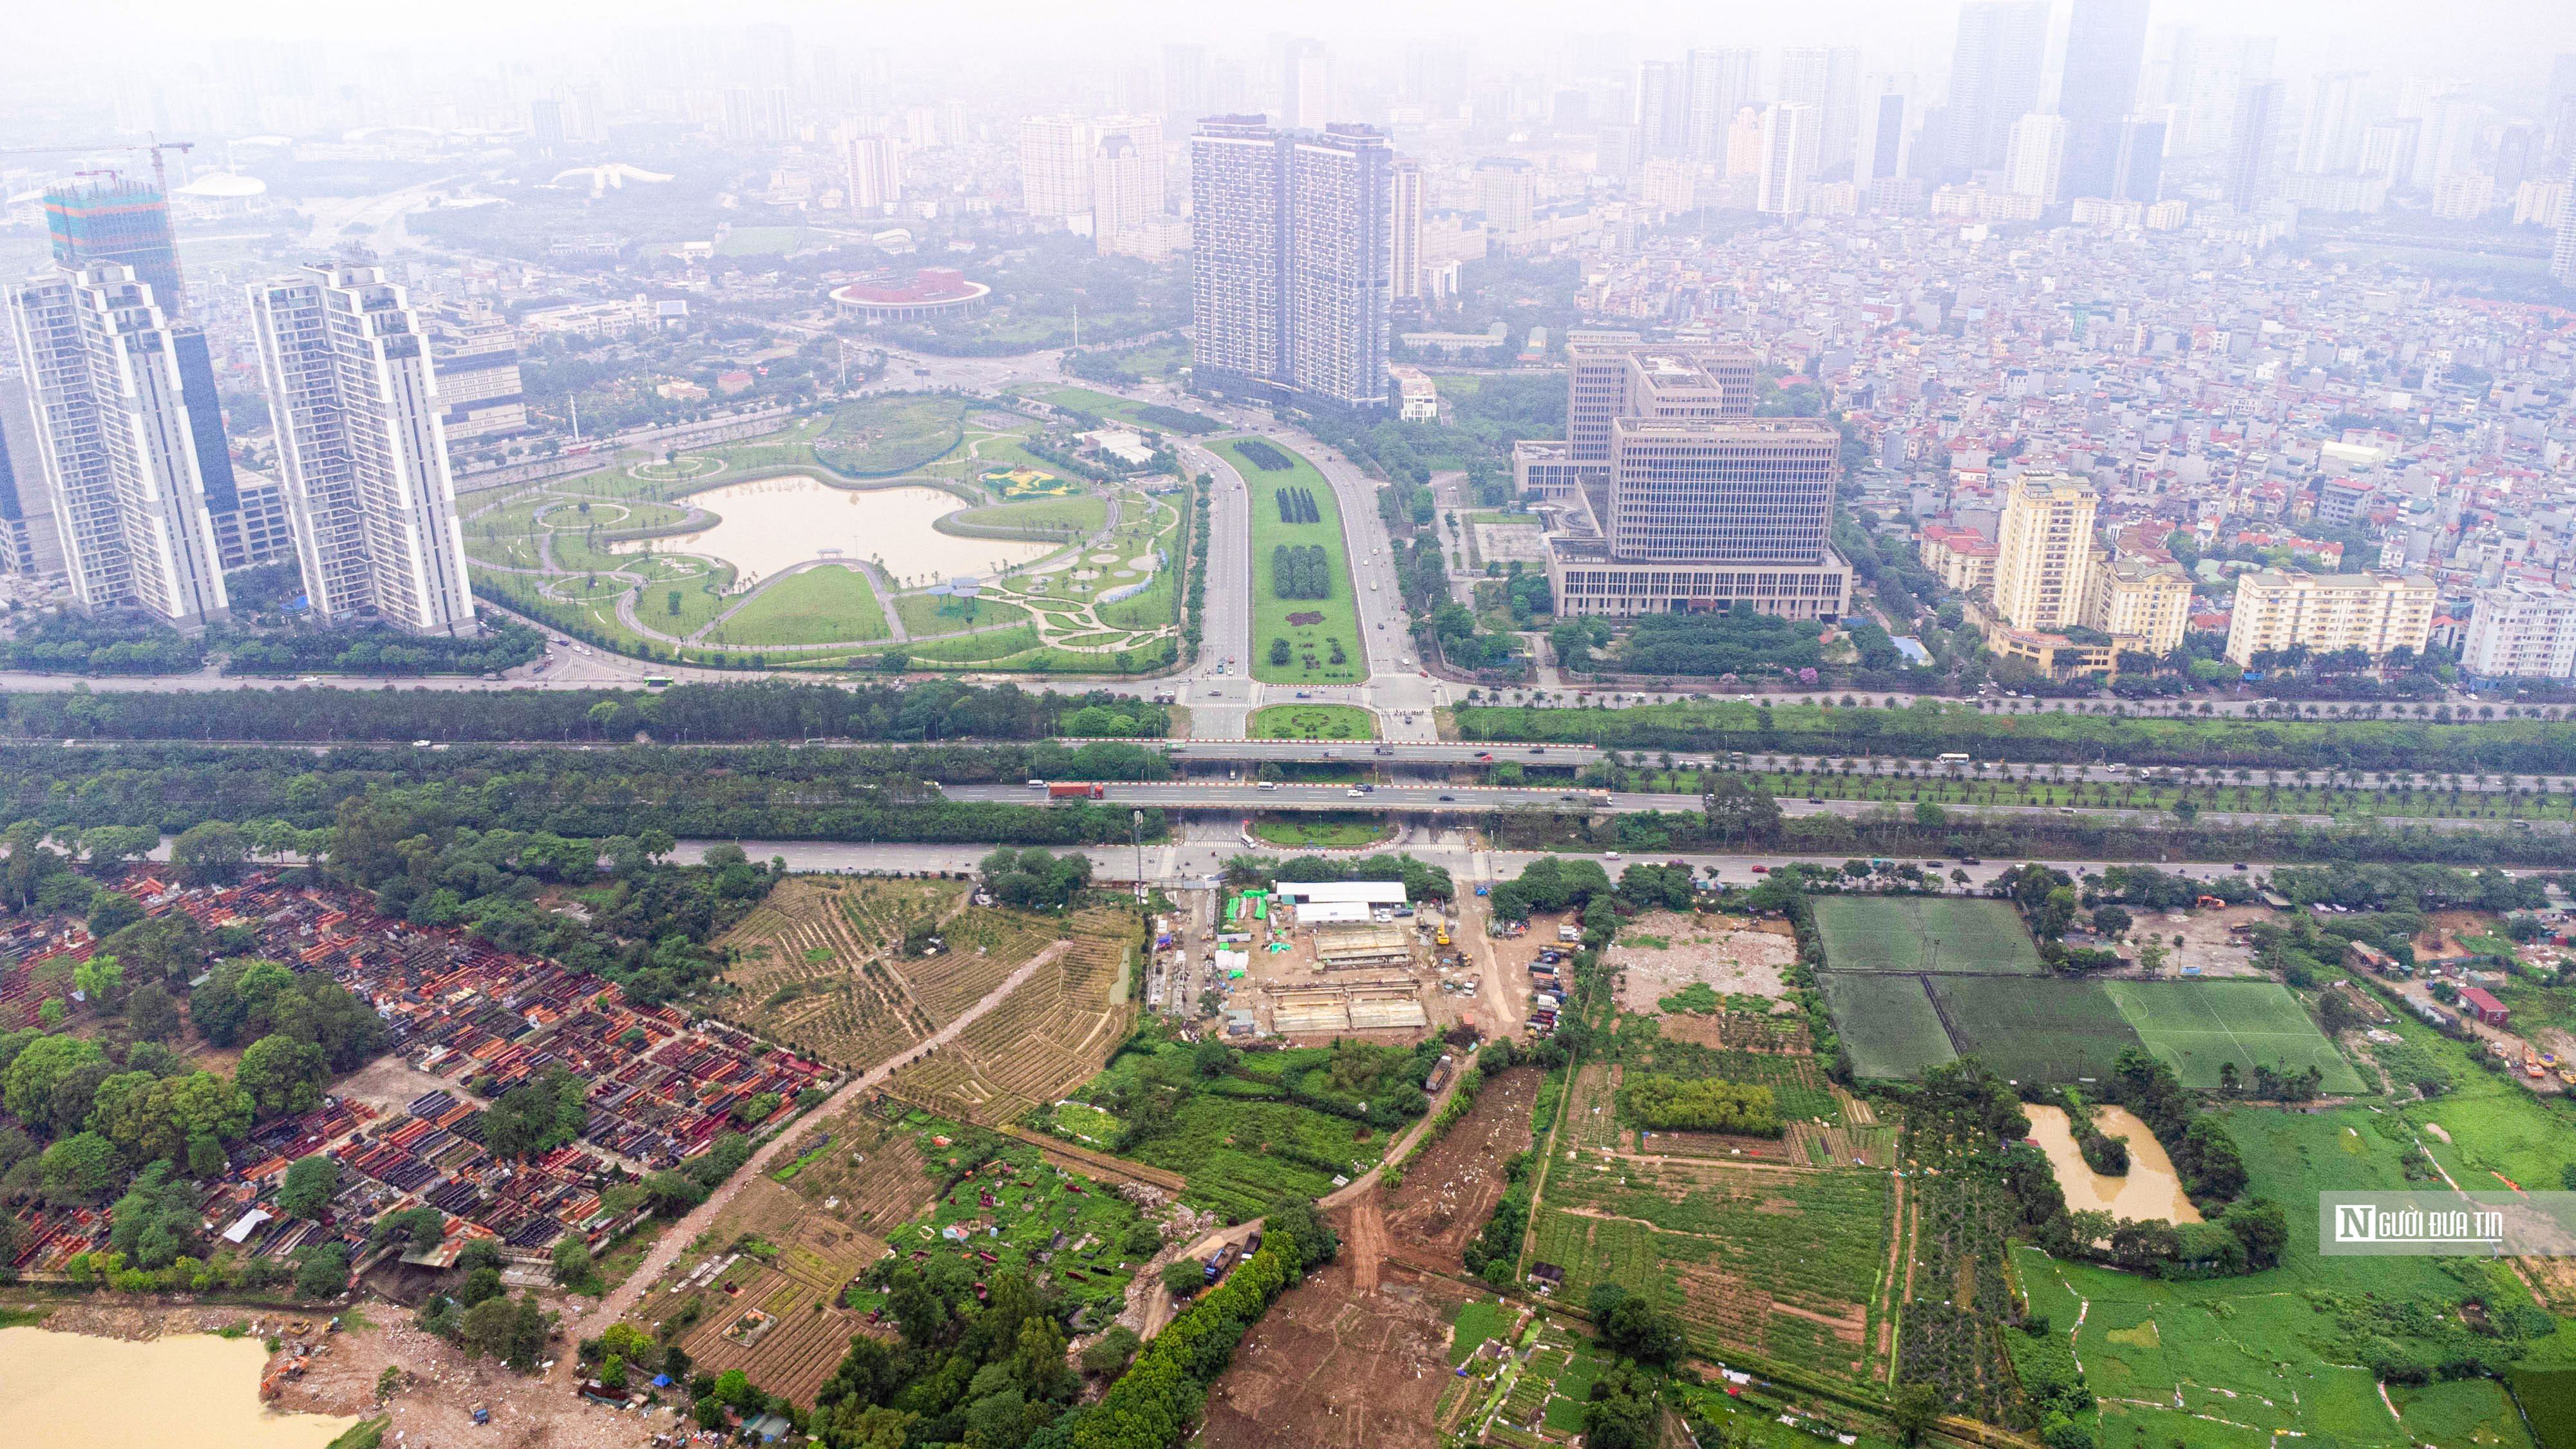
(1354, 1357)
(1450, 1189)
(1663, 954)
(1329, 960)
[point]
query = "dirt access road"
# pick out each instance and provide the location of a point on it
(1505, 997)
(1159, 1310)
(622, 1299)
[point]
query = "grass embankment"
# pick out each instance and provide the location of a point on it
(927, 616)
(2035, 786)
(1930, 728)
(1055, 519)
(830, 604)
(880, 437)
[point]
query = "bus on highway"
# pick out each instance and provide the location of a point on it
(656, 681)
(1955, 757)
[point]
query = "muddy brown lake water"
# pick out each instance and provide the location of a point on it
(72, 1391)
(2150, 1191)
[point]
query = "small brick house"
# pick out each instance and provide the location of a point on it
(2482, 1005)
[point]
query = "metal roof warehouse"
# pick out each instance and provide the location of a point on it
(1354, 892)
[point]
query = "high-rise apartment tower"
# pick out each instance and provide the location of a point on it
(1292, 265)
(129, 439)
(355, 399)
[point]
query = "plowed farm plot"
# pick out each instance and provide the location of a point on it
(763, 1294)
(818, 965)
(776, 1329)
(859, 1170)
(1592, 1118)
(1452, 1187)
(1334, 1367)
(1783, 1262)
(1047, 1038)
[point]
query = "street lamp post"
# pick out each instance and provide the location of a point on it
(1136, 840)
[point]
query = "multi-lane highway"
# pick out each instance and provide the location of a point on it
(1470, 756)
(1248, 796)
(1198, 855)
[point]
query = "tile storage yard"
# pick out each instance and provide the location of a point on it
(467, 1023)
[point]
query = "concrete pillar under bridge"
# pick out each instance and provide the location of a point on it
(1199, 821)
(1380, 767)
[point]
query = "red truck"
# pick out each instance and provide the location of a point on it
(1069, 790)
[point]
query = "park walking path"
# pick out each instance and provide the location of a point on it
(675, 1240)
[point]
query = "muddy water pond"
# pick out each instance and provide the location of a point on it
(2150, 1191)
(72, 1391)
(767, 524)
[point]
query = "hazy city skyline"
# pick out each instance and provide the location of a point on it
(2492, 42)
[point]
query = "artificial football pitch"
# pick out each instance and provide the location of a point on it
(2196, 1025)
(1887, 1023)
(1925, 933)
(1913, 982)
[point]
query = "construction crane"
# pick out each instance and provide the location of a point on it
(153, 144)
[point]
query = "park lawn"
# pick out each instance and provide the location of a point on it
(974, 648)
(1337, 617)
(927, 616)
(491, 546)
(829, 604)
(1149, 608)
(1049, 518)
(686, 468)
(1157, 605)
(702, 598)
(1144, 658)
(1151, 359)
(750, 241)
(593, 620)
(1145, 525)
(1004, 454)
(1335, 831)
(1313, 722)
(757, 458)
(1083, 399)
(581, 553)
(879, 437)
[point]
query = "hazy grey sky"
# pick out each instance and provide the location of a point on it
(2509, 41)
